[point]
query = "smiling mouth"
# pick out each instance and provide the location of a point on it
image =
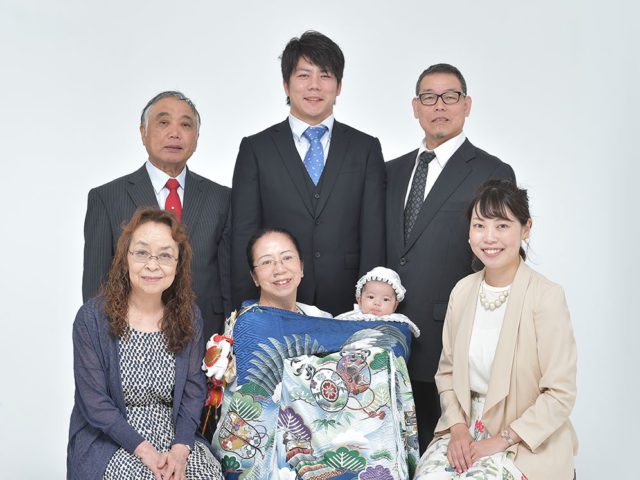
(151, 279)
(281, 283)
(492, 251)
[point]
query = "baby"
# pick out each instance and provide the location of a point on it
(378, 294)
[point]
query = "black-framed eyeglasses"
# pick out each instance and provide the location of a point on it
(429, 99)
(164, 259)
(270, 263)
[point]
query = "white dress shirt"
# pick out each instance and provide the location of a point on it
(443, 154)
(159, 180)
(302, 144)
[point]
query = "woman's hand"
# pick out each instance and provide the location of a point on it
(487, 447)
(492, 445)
(176, 462)
(151, 458)
(458, 452)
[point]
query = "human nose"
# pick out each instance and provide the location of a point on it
(174, 131)
(489, 235)
(314, 82)
(278, 266)
(152, 263)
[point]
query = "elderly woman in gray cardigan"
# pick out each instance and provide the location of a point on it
(137, 354)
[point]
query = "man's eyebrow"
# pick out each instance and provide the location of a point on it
(188, 117)
(162, 114)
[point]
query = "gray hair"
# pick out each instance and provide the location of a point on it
(144, 118)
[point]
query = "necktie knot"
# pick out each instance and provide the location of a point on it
(172, 184)
(427, 156)
(315, 133)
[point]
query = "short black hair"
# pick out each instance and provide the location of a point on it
(442, 68)
(317, 49)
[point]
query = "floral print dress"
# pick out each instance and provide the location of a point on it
(434, 464)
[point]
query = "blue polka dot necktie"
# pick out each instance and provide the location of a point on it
(314, 159)
(416, 194)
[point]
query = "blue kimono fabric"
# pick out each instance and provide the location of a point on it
(318, 398)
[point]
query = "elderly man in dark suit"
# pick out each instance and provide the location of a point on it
(169, 127)
(319, 179)
(428, 191)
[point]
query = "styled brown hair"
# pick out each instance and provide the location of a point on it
(177, 323)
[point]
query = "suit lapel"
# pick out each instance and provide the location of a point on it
(500, 378)
(140, 188)
(453, 174)
(193, 200)
(333, 163)
(397, 192)
(461, 351)
(283, 139)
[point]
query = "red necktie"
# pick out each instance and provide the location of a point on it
(173, 200)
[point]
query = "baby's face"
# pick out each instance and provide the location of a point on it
(378, 298)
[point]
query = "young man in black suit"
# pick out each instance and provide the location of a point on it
(169, 127)
(428, 191)
(319, 179)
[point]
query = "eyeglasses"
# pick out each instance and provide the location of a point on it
(448, 98)
(164, 259)
(286, 261)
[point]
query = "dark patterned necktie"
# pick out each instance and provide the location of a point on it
(314, 159)
(416, 194)
(173, 199)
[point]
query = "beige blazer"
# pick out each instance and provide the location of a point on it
(532, 387)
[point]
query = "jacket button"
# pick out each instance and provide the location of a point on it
(317, 254)
(316, 195)
(317, 221)
(403, 261)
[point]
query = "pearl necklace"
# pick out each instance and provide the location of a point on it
(495, 304)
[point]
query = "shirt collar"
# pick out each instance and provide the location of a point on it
(298, 126)
(159, 178)
(444, 151)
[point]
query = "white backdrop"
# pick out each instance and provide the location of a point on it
(555, 94)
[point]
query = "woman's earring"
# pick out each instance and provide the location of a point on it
(526, 240)
(469, 240)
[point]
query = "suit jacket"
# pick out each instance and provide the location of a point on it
(99, 425)
(437, 253)
(532, 387)
(339, 224)
(205, 213)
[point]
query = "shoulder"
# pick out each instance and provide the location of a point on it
(463, 286)
(404, 159)
(92, 316)
(121, 182)
(196, 318)
(269, 131)
(541, 287)
(343, 129)
(481, 157)
(209, 185)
